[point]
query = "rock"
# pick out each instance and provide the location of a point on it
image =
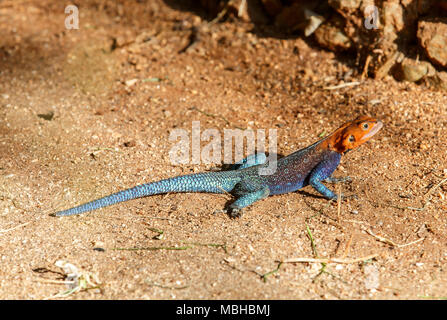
(432, 36)
(439, 80)
(131, 82)
(46, 116)
(314, 20)
(442, 79)
(130, 143)
(345, 5)
(239, 9)
(331, 36)
(393, 17)
(412, 70)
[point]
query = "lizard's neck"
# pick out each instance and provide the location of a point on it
(333, 142)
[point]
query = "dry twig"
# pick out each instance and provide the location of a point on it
(13, 228)
(343, 85)
(390, 242)
(330, 260)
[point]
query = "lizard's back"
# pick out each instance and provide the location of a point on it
(292, 172)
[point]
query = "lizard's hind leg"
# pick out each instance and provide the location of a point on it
(247, 199)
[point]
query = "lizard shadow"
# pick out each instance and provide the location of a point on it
(227, 207)
(310, 195)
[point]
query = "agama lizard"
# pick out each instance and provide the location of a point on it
(308, 166)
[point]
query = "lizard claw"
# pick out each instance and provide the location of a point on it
(338, 180)
(343, 196)
(235, 213)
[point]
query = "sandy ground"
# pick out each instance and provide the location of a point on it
(87, 112)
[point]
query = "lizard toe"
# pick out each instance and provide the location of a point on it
(343, 196)
(219, 211)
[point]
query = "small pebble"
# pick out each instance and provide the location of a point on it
(131, 82)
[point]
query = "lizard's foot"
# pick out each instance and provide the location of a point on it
(343, 196)
(235, 212)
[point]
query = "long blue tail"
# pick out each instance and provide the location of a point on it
(211, 182)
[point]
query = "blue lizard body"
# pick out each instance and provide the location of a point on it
(308, 166)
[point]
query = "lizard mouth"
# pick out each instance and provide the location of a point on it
(373, 131)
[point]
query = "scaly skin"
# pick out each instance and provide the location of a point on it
(308, 166)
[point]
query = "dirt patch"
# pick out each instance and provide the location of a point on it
(131, 74)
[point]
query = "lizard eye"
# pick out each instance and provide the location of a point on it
(351, 139)
(365, 126)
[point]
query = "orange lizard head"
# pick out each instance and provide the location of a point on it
(354, 133)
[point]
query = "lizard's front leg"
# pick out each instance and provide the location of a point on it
(322, 172)
(322, 189)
